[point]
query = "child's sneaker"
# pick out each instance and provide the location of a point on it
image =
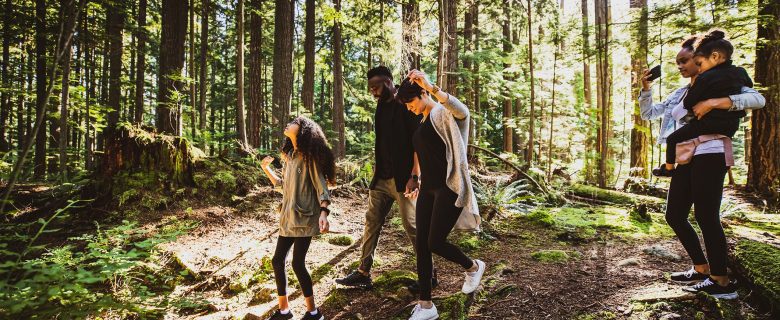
(316, 316)
(662, 171)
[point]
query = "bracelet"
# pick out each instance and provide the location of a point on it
(327, 211)
(435, 89)
(415, 177)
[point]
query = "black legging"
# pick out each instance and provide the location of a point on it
(436, 216)
(699, 183)
(283, 245)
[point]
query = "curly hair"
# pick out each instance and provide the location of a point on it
(313, 147)
(713, 41)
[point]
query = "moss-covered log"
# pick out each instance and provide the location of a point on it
(135, 149)
(615, 197)
(759, 264)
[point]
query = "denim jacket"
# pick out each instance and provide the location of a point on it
(749, 99)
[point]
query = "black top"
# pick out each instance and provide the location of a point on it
(431, 152)
(394, 127)
(721, 81)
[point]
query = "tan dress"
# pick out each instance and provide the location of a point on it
(303, 187)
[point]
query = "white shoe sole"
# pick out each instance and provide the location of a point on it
(479, 275)
(726, 296)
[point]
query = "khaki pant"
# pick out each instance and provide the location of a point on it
(380, 200)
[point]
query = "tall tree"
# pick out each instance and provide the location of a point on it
(448, 46)
(116, 22)
(5, 97)
(174, 31)
(255, 73)
(475, 72)
(240, 122)
(140, 63)
(604, 87)
(529, 153)
(282, 71)
(764, 165)
(191, 71)
(307, 93)
(338, 85)
(66, 7)
(508, 77)
(39, 162)
(410, 33)
(640, 139)
(204, 51)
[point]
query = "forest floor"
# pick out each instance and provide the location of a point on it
(597, 259)
(578, 261)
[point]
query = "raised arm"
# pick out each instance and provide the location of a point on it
(452, 104)
(265, 165)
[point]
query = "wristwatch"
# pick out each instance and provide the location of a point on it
(327, 211)
(415, 177)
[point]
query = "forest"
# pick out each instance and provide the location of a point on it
(133, 133)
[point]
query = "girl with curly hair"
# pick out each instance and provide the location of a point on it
(308, 167)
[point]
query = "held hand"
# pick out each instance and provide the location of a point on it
(266, 161)
(420, 78)
(412, 188)
(645, 82)
(324, 224)
(702, 108)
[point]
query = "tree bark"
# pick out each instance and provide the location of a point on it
(39, 163)
(508, 99)
(240, 120)
(282, 71)
(640, 140)
(604, 88)
(529, 155)
(410, 17)
(140, 63)
(204, 84)
(65, 92)
(5, 97)
(116, 21)
(191, 73)
(476, 73)
(764, 165)
(448, 46)
(338, 87)
(174, 31)
(255, 73)
(307, 93)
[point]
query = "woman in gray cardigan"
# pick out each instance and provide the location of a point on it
(308, 167)
(446, 197)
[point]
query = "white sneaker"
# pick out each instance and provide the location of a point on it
(420, 313)
(473, 278)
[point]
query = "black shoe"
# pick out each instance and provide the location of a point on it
(415, 287)
(662, 171)
(689, 276)
(309, 316)
(712, 288)
(278, 315)
(356, 279)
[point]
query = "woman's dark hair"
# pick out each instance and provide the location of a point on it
(688, 43)
(408, 91)
(713, 41)
(313, 147)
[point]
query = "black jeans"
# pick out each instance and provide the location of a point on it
(436, 216)
(283, 245)
(724, 126)
(699, 183)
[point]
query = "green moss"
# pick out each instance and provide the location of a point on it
(321, 272)
(340, 240)
(601, 315)
(469, 243)
(454, 307)
(760, 263)
(336, 300)
(614, 196)
(541, 216)
(393, 280)
(586, 221)
(264, 272)
(551, 256)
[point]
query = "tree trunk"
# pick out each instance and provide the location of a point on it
(90, 80)
(174, 31)
(39, 171)
(255, 73)
(475, 83)
(640, 140)
(448, 46)
(410, 18)
(529, 156)
(204, 84)
(338, 88)
(140, 64)
(21, 106)
(240, 122)
(307, 94)
(508, 99)
(191, 73)
(604, 88)
(764, 165)
(5, 97)
(282, 71)
(116, 21)
(63, 123)
(468, 47)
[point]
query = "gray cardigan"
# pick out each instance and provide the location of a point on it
(451, 122)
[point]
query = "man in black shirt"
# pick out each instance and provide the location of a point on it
(396, 172)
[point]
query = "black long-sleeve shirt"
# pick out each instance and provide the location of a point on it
(721, 81)
(393, 151)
